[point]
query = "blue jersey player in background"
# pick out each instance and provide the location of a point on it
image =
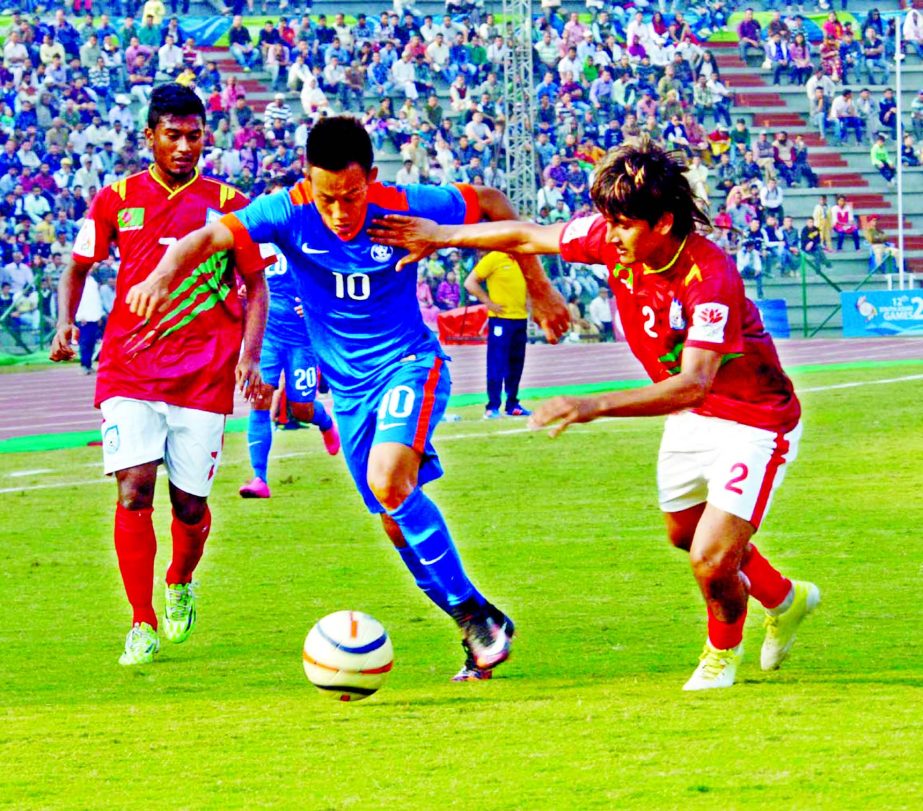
(387, 372)
(286, 353)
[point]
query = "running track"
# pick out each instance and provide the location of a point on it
(60, 399)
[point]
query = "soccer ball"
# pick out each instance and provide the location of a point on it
(347, 655)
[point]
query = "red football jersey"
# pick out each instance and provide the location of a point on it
(186, 355)
(698, 302)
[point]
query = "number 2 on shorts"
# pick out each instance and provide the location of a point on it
(740, 472)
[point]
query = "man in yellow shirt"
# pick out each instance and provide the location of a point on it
(505, 298)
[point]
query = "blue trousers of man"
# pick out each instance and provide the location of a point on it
(506, 354)
(89, 334)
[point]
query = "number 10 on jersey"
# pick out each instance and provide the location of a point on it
(353, 285)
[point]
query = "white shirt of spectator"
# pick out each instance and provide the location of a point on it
(428, 32)
(91, 305)
(600, 312)
(438, 53)
(169, 58)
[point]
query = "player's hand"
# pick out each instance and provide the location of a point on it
(420, 237)
(249, 382)
(549, 311)
(493, 307)
(561, 412)
(148, 297)
(61, 348)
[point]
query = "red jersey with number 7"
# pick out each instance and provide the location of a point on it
(697, 302)
(186, 355)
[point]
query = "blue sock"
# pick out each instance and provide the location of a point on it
(259, 439)
(321, 418)
(426, 584)
(427, 536)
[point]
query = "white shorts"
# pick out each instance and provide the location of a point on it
(187, 440)
(733, 467)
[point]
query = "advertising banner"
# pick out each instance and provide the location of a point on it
(882, 312)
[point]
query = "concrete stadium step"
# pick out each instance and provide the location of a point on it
(742, 99)
(777, 120)
(735, 80)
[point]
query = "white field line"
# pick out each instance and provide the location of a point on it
(447, 438)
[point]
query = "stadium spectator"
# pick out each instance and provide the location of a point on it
(881, 159)
(750, 256)
(912, 31)
(883, 254)
(749, 35)
(844, 116)
(599, 314)
(844, 222)
(873, 54)
(241, 45)
(887, 112)
(811, 246)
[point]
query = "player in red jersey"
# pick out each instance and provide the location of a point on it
(165, 385)
(734, 419)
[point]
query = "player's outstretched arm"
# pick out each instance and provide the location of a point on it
(70, 290)
(549, 310)
(687, 389)
(247, 373)
(152, 295)
(421, 237)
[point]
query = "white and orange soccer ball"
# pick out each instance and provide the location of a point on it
(347, 655)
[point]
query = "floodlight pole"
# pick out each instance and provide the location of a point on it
(519, 104)
(898, 54)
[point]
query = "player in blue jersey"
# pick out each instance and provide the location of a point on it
(387, 372)
(286, 353)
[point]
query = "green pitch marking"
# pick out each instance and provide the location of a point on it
(75, 439)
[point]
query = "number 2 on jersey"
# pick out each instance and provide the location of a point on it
(650, 317)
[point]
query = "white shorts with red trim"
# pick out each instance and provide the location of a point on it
(734, 467)
(187, 440)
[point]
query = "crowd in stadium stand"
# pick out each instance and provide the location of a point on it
(75, 88)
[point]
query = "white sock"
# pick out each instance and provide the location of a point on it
(782, 607)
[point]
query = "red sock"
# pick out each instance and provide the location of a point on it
(766, 584)
(188, 544)
(725, 635)
(136, 547)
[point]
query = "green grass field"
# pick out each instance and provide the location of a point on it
(566, 536)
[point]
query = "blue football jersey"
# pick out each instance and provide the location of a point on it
(284, 326)
(362, 316)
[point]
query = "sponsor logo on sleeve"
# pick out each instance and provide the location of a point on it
(708, 323)
(130, 219)
(579, 228)
(85, 242)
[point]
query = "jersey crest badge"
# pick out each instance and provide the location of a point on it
(130, 219)
(676, 316)
(382, 253)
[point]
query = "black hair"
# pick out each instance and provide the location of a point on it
(173, 99)
(643, 181)
(338, 141)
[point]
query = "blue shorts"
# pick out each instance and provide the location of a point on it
(405, 408)
(300, 369)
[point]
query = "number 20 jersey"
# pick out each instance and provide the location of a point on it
(362, 316)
